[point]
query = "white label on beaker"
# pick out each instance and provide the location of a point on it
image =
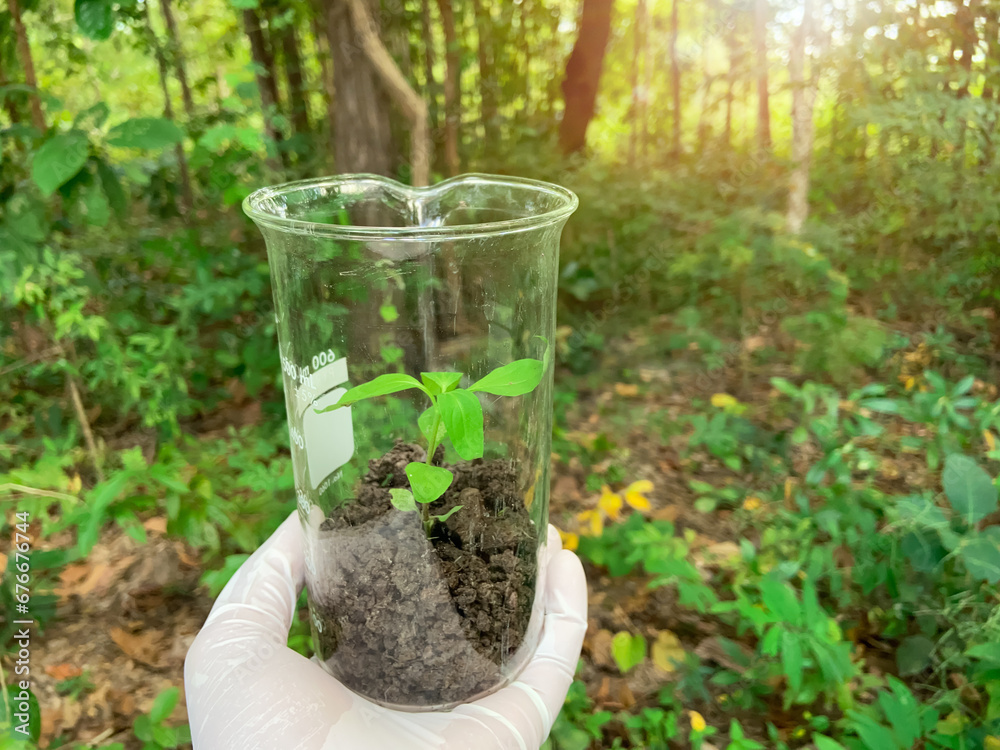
(329, 437)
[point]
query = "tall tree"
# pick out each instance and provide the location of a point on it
(363, 141)
(763, 102)
(452, 92)
(638, 118)
(9, 105)
(583, 74)
(187, 196)
(675, 77)
(803, 96)
(27, 63)
(487, 70)
(177, 56)
(396, 84)
(430, 83)
(291, 58)
(267, 85)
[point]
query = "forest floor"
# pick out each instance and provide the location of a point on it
(128, 613)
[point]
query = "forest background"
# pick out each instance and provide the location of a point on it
(776, 413)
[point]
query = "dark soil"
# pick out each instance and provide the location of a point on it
(417, 621)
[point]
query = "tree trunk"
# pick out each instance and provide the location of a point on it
(9, 105)
(396, 84)
(583, 74)
(763, 103)
(24, 55)
(803, 95)
(430, 84)
(487, 71)
(675, 77)
(187, 196)
(727, 131)
(266, 82)
(363, 141)
(323, 55)
(638, 33)
(298, 104)
(452, 92)
(991, 34)
(177, 55)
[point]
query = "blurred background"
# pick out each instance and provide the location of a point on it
(776, 410)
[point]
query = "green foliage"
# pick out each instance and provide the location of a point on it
(454, 413)
(151, 729)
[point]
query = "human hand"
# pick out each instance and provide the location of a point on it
(247, 690)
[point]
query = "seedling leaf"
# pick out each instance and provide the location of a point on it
(515, 379)
(445, 516)
(402, 499)
(440, 382)
(428, 482)
(391, 382)
(463, 419)
(426, 424)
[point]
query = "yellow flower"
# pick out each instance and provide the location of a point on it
(991, 442)
(570, 540)
(909, 383)
(595, 519)
(723, 400)
(635, 494)
(751, 503)
(75, 484)
(697, 721)
(610, 503)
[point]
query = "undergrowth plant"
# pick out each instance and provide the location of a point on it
(455, 414)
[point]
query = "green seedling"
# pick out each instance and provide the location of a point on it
(455, 414)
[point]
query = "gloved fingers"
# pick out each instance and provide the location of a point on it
(261, 596)
(521, 715)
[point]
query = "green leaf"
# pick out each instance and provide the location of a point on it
(440, 382)
(779, 597)
(391, 382)
(970, 490)
(164, 705)
(822, 742)
(791, 660)
(148, 133)
(402, 499)
(426, 424)
(34, 715)
(98, 113)
(142, 728)
(914, 654)
(388, 313)
(98, 501)
(59, 159)
(628, 650)
(244, 4)
(515, 379)
(902, 711)
(463, 419)
(981, 555)
(95, 18)
(428, 482)
(986, 652)
(95, 203)
(113, 189)
(445, 516)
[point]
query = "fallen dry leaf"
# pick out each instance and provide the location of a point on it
(157, 525)
(667, 651)
(627, 390)
(600, 650)
(63, 671)
(144, 647)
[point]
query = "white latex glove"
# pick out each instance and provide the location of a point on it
(246, 689)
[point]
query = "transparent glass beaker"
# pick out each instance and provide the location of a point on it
(418, 609)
